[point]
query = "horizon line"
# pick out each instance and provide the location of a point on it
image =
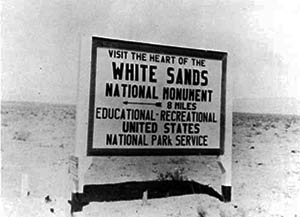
(234, 110)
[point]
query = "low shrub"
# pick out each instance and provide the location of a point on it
(176, 175)
(21, 135)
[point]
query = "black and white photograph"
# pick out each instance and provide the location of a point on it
(139, 108)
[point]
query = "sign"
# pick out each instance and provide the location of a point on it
(148, 99)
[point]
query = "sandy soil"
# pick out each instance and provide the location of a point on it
(37, 140)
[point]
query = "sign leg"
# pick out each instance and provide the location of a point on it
(225, 161)
(226, 193)
(84, 164)
(78, 168)
(225, 166)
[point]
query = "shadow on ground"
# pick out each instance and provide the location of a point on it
(135, 190)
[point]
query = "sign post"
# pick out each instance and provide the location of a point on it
(139, 99)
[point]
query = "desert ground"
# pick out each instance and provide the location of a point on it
(37, 140)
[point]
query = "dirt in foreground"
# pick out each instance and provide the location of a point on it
(37, 140)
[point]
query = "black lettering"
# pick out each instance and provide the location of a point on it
(152, 73)
(188, 76)
(110, 52)
(98, 112)
(170, 71)
(129, 76)
(196, 77)
(109, 89)
(144, 68)
(179, 77)
(204, 77)
(117, 71)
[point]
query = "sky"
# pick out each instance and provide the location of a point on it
(40, 41)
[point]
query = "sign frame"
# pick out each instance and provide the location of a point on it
(84, 153)
(101, 42)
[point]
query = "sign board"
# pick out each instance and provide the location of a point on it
(147, 99)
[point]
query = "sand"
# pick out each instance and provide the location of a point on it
(37, 140)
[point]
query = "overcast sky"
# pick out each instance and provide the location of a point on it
(41, 41)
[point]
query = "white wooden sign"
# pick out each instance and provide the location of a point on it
(148, 99)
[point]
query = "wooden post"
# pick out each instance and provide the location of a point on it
(82, 108)
(145, 197)
(80, 159)
(225, 161)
